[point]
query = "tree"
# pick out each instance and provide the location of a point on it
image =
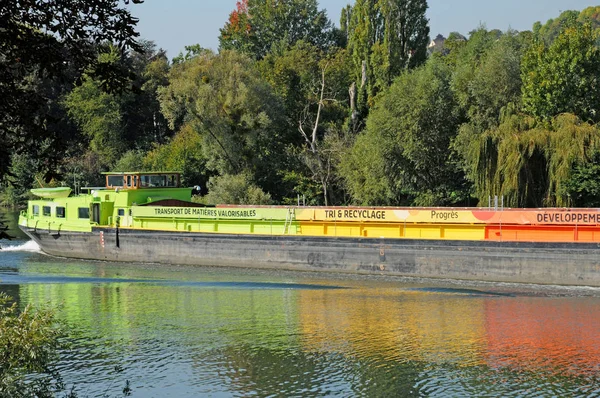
(486, 85)
(98, 115)
(583, 188)
(404, 156)
(531, 163)
(48, 41)
(469, 58)
(235, 189)
(16, 192)
(549, 31)
(144, 124)
(385, 38)
(183, 152)
(236, 34)
(313, 85)
(222, 97)
(255, 26)
(563, 77)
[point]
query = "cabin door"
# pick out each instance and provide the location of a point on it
(96, 213)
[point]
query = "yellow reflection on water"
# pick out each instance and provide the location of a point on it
(395, 325)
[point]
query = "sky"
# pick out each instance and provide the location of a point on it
(173, 24)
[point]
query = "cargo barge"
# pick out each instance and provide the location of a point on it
(149, 217)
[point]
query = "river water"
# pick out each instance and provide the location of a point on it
(191, 331)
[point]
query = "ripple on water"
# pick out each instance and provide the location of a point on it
(190, 332)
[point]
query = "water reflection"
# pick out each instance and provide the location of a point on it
(184, 331)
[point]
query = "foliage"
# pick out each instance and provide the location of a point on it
(16, 191)
(29, 343)
(255, 26)
(583, 188)
(549, 31)
(531, 163)
(281, 107)
(98, 115)
(384, 39)
(132, 160)
(184, 152)
(488, 76)
(115, 122)
(223, 98)
(563, 77)
(235, 189)
(313, 85)
(404, 156)
(50, 43)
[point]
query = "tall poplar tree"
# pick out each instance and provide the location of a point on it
(385, 37)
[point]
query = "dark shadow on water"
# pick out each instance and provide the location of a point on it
(14, 278)
(458, 291)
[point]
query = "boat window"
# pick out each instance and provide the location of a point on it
(153, 181)
(135, 182)
(84, 212)
(115, 181)
(129, 181)
(121, 212)
(36, 210)
(46, 211)
(60, 212)
(172, 182)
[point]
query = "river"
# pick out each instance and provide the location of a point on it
(194, 331)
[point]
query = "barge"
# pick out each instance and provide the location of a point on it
(149, 217)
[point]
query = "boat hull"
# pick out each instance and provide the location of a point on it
(518, 262)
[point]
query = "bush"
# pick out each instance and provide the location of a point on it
(235, 189)
(29, 344)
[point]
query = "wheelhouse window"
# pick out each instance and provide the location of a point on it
(114, 181)
(121, 212)
(36, 210)
(152, 181)
(46, 211)
(60, 212)
(83, 213)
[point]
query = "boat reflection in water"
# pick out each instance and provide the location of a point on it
(231, 333)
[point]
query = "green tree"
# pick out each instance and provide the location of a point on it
(98, 115)
(183, 152)
(563, 77)
(583, 188)
(113, 123)
(404, 155)
(313, 85)
(549, 31)
(486, 84)
(224, 99)
(385, 38)
(50, 41)
(469, 56)
(255, 26)
(143, 122)
(235, 189)
(132, 160)
(531, 163)
(16, 192)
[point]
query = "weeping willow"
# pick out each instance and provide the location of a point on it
(530, 163)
